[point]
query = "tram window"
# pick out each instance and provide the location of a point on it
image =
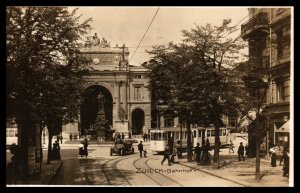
(224, 132)
(195, 133)
(199, 133)
(159, 136)
(153, 136)
(11, 133)
(212, 133)
(208, 133)
(176, 135)
(165, 136)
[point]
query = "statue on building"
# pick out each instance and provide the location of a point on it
(96, 40)
(100, 99)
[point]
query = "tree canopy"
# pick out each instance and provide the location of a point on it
(199, 77)
(44, 68)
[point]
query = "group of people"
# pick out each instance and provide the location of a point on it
(172, 153)
(205, 158)
(285, 158)
(72, 136)
(117, 136)
(83, 151)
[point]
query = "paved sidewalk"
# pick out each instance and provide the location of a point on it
(243, 172)
(48, 173)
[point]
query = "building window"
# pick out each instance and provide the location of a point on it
(138, 76)
(232, 122)
(279, 40)
(138, 93)
(168, 122)
(280, 91)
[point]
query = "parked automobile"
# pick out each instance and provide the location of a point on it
(122, 147)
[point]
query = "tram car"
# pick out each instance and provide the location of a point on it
(200, 134)
(159, 138)
(11, 136)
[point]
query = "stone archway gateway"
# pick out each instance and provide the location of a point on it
(138, 121)
(124, 87)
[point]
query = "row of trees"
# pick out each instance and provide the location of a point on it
(202, 78)
(44, 70)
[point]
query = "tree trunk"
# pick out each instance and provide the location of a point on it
(257, 145)
(217, 146)
(49, 157)
(23, 121)
(216, 120)
(189, 145)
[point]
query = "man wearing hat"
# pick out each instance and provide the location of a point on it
(241, 151)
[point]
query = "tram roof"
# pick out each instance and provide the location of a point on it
(183, 128)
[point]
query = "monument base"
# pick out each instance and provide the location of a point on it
(101, 133)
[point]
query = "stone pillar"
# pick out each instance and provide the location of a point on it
(125, 99)
(118, 101)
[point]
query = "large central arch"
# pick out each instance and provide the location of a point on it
(138, 121)
(89, 107)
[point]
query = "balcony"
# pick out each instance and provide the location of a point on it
(258, 23)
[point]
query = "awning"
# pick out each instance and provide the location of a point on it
(284, 128)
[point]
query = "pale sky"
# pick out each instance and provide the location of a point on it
(127, 25)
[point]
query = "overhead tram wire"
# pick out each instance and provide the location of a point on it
(227, 33)
(145, 33)
(132, 47)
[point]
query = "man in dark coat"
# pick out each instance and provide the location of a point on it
(166, 156)
(140, 148)
(241, 151)
(198, 152)
(85, 145)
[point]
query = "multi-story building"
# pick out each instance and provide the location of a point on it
(268, 32)
(127, 100)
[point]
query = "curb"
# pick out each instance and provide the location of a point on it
(49, 179)
(207, 172)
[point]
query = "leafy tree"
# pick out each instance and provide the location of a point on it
(43, 66)
(198, 78)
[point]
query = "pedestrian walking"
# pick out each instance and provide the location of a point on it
(123, 136)
(178, 149)
(198, 152)
(166, 155)
(272, 154)
(56, 151)
(174, 157)
(70, 136)
(231, 147)
(207, 144)
(241, 152)
(286, 163)
(206, 156)
(80, 148)
(85, 146)
(140, 148)
(283, 152)
(61, 139)
(144, 137)
(14, 168)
